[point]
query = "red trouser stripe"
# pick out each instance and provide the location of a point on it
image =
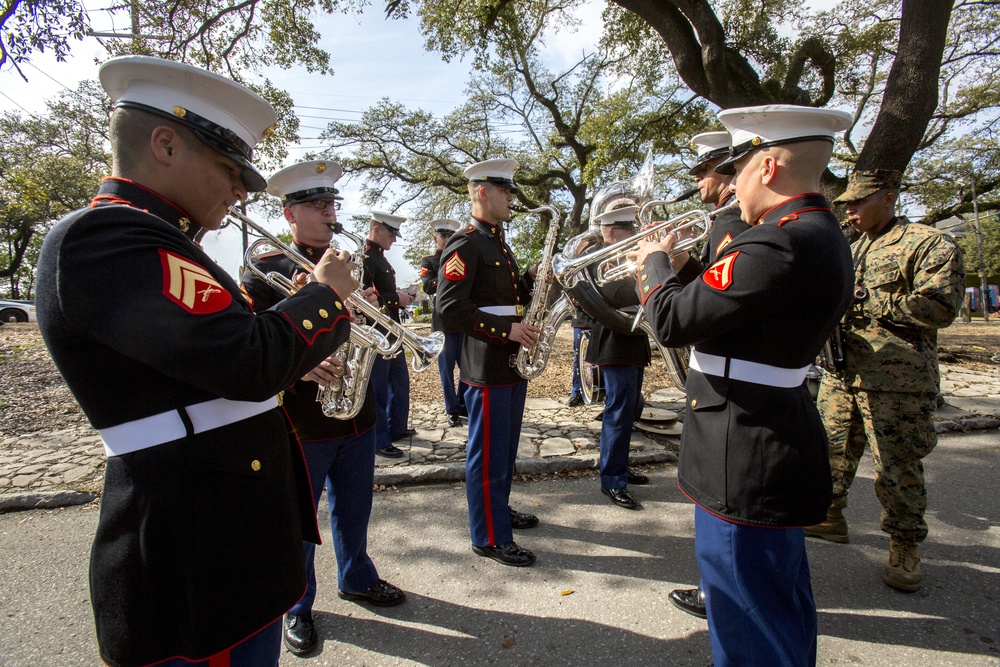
(486, 468)
(219, 659)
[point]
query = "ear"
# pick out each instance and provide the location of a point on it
(289, 216)
(768, 169)
(164, 142)
(482, 193)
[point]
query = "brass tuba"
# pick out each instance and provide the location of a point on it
(531, 361)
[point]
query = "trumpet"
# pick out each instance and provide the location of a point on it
(617, 265)
(424, 349)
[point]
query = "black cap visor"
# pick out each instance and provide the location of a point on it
(303, 196)
(220, 139)
(392, 230)
(727, 166)
(505, 183)
(707, 157)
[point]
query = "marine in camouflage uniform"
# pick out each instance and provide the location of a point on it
(909, 283)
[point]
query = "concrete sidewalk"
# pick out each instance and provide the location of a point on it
(57, 468)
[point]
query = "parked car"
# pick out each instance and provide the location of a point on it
(17, 311)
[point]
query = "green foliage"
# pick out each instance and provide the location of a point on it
(49, 166)
(989, 225)
(32, 26)
(569, 130)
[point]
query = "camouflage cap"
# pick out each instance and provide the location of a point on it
(864, 183)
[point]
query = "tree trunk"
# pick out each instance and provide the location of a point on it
(911, 92)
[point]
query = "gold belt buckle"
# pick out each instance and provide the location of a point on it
(519, 311)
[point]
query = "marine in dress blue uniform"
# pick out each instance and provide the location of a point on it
(753, 454)
(340, 454)
(454, 397)
(482, 293)
(712, 148)
(390, 377)
(623, 357)
(198, 550)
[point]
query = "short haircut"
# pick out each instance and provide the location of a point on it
(130, 130)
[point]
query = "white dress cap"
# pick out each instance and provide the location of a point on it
(227, 116)
(618, 216)
(498, 172)
(445, 225)
(709, 146)
(305, 181)
(389, 221)
(777, 124)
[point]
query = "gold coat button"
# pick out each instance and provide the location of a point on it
(646, 288)
(642, 267)
(498, 263)
(339, 306)
(307, 325)
(255, 464)
(493, 330)
(503, 335)
(323, 313)
(694, 402)
(645, 275)
(481, 325)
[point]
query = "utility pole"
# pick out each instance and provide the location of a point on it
(983, 287)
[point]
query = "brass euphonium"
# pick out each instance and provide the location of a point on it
(531, 361)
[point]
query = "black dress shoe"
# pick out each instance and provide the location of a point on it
(454, 420)
(299, 633)
(390, 452)
(408, 433)
(508, 554)
(575, 401)
(690, 600)
(621, 497)
(380, 594)
(520, 520)
(637, 478)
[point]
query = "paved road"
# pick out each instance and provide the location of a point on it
(465, 610)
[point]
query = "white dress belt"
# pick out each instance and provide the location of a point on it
(168, 426)
(747, 371)
(513, 311)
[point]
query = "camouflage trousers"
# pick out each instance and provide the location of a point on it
(899, 429)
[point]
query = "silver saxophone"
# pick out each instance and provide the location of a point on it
(529, 362)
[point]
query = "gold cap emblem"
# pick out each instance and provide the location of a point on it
(255, 465)
(180, 112)
(755, 141)
(321, 167)
(268, 132)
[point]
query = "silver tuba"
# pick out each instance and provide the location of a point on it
(568, 266)
(531, 361)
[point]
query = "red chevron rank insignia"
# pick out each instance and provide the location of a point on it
(191, 286)
(454, 268)
(720, 275)
(723, 243)
(424, 271)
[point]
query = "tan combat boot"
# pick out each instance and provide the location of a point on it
(833, 529)
(902, 570)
